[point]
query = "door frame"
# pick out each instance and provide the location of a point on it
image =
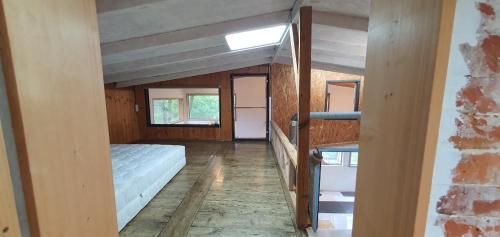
(235, 76)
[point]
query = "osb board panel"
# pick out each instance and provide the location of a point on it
(122, 120)
(284, 103)
(219, 79)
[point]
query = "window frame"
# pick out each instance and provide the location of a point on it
(350, 161)
(341, 154)
(170, 98)
(356, 95)
(148, 109)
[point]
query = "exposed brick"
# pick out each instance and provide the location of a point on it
(469, 226)
(478, 169)
(476, 131)
(480, 95)
(490, 208)
(470, 200)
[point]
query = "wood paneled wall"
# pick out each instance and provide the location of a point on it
(408, 46)
(284, 102)
(223, 133)
(122, 119)
(52, 63)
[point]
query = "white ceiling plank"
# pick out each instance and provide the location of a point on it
(292, 17)
(191, 65)
(333, 57)
(338, 68)
(339, 20)
(232, 26)
(201, 71)
(165, 59)
(165, 49)
(325, 66)
(333, 21)
(113, 5)
(340, 47)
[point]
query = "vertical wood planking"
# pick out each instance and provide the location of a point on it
(51, 56)
(402, 87)
(122, 119)
(9, 224)
(305, 35)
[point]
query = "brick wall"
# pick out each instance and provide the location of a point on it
(465, 196)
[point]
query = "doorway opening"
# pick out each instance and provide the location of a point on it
(250, 104)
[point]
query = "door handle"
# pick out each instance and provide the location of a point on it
(235, 115)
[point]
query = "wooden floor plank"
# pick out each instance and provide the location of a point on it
(226, 189)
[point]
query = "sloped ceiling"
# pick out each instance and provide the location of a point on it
(144, 41)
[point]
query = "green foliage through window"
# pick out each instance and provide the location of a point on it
(166, 111)
(354, 159)
(204, 107)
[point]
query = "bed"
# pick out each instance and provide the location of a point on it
(139, 172)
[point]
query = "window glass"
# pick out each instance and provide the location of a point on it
(166, 111)
(332, 158)
(354, 159)
(204, 107)
(183, 107)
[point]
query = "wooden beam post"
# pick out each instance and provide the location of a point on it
(304, 96)
(63, 150)
(402, 101)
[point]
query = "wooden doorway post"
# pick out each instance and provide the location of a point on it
(302, 69)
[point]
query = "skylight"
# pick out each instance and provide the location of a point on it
(255, 38)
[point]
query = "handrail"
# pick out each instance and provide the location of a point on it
(338, 149)
(288, 147)
(335, 115)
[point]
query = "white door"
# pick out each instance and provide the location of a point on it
(250, 107)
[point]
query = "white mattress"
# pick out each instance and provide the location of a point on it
(139, 172)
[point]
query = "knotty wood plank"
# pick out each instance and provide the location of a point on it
(305, 35)
(181, 221)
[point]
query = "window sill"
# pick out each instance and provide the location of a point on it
(184, 125)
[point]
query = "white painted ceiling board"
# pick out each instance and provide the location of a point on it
(348, 7)
(171, 15)
(148, 40)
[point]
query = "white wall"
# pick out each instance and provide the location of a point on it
(338, 178)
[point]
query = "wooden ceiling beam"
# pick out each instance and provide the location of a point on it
(166, 59)
(113, 5)
(326, 66)
(196, 72)
(340, 21)
(159, 70)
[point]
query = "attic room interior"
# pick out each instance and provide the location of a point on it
(321, 118)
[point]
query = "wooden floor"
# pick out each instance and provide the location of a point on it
(226, 189)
